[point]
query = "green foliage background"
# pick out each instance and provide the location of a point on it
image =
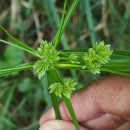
(23, 98)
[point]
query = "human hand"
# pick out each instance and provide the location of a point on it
(103, 105)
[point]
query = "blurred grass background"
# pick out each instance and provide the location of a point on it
(23, 98)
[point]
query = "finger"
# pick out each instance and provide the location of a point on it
(105, 122)
(125, 126)
(59, 125)
(112, 95)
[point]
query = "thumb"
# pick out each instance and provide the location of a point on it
(59, 125)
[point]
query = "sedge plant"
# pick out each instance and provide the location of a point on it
(96, 59)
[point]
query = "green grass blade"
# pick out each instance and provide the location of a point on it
(51, 11)
(118, 65)
(24, 66)
(115, 72)
(8, 100)
(18, 43)
(57, 37)
(71, 111)
(119, 57)
(127, 11)
(5, 109)
(90, 21)
(7, 122)
(67, 18)
(117, 54)
(69, 13)
(120, 52)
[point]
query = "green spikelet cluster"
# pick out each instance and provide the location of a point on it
(56, 88)
(40, 67)
(49, 56)
(64, 89)
(96, 57)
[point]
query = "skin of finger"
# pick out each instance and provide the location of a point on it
(59, 125)
(112, 95)
(125, 126)
(104, 122)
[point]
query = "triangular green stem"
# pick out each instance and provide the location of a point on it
(53, 96)
(67, 101)
(71, 111)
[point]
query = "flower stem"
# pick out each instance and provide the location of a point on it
(56, 75)
(67, 101)
(68, 66)
(53, 97)
(71, 111)
(55, 105)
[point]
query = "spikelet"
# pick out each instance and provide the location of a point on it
(96, 57)
(49, 56)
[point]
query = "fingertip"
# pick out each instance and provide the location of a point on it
(50, 125)
(59, 125)
(49, 115)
